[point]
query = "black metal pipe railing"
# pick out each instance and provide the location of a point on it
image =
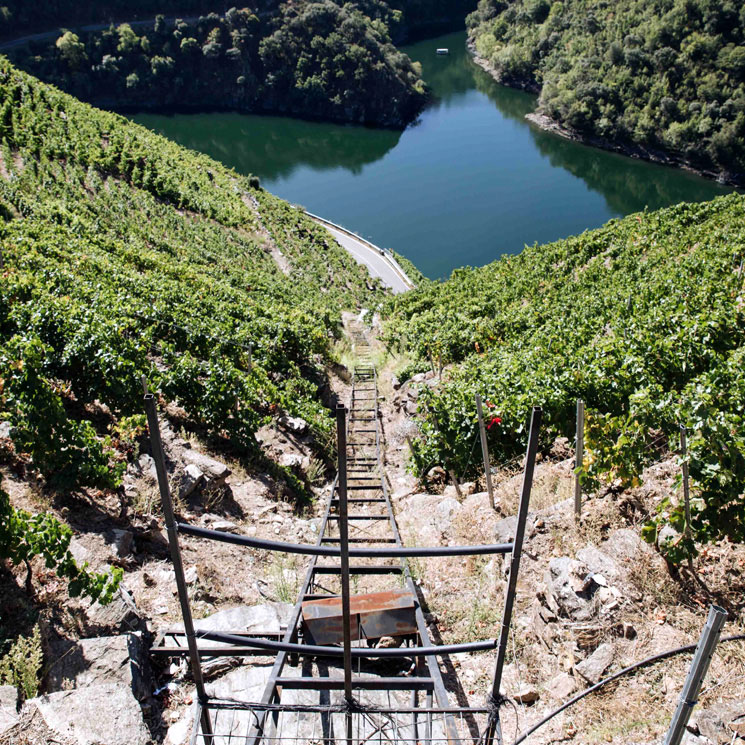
(312, 650)
(315, 550)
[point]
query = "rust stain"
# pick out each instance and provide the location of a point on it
(374, 615)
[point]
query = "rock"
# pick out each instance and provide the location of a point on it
(691, 739)
(179, 733)
(9, 697)
(191, 575)
(120, 660)
(437, 473)
(191, 479)
(562, 686)
(628, 631)
(8, 708)
(268, 617)
(146, 466)
(598, 562)
(8, 719)
(568, 586)
(597, 663)
(214, 471)
(294, 460)
(738, 726)
(225, 526)
(561, 448)
(599, 579)
(122, 541)
(79, 552)
(544, 625)
(467, 488)
(5, 428)
(121, 614)
(504, 530)
(294, 424)
(93, 715)
(711, 721)
(625, 546)
(395, 383)
(389, 642)
(527, 695)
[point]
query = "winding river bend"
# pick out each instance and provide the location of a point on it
(470, 181)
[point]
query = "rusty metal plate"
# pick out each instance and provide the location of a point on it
(374, 614)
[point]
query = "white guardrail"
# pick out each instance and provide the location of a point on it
(384, 252)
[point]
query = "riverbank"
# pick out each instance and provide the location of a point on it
(547, 124)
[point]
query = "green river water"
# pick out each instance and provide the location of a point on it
(470, 181)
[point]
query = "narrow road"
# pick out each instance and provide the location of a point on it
(378, 263)
(54, 33)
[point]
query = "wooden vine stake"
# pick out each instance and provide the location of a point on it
(686, 488)
(485, 451)
(579, 454)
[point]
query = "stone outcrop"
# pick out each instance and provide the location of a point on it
(120, 660)
(105, 714)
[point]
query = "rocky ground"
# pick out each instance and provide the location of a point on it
(592, 597)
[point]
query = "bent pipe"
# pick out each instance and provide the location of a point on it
(648, 661)
(364, 653)
(307, 548)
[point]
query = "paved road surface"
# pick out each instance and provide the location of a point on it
(377, 264)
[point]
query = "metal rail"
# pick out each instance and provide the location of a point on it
(361, 472)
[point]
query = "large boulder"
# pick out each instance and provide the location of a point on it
(93, 715)
(120, 660)
(245, 619)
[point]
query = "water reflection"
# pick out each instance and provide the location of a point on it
(274, 147)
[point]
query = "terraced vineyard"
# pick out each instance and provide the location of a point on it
(643, 319)
(125, 256)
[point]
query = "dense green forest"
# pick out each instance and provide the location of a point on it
(644, 319)
(406, 18)
(28, 16)
(126, 256)
(664, 78)
(312, 59)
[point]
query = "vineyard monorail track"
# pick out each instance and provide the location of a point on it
(384, 717)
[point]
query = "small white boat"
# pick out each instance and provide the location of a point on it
(443, 50)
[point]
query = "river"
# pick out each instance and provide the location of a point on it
(470, 181)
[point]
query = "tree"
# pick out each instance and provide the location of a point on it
(71, 50)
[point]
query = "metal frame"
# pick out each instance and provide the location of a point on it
(361, 469)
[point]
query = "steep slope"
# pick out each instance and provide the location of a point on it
(658, 78)
(643, 319)
(126, 257)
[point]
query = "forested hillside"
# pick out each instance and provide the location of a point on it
(643, 319)
(41, 15)
(126, 257)
(312, 59)
(405, 18)
(662, 78)
(325, 60)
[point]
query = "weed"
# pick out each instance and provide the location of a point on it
(316, 472)
(283, 574)
(21, 666)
